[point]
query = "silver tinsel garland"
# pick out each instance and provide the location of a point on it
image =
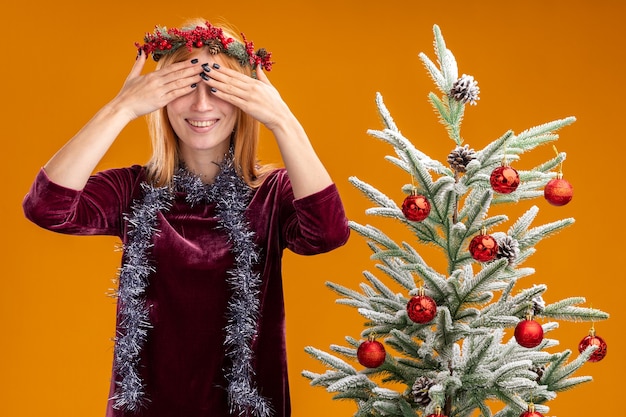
(231, 195)
(133, 320)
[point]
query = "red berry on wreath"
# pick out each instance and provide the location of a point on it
(504, 179)
(531, 412)
(371, 353)
(528, 333)
(416, 207)
(483, 248)
(421, 308)
(558, 191)
(593, 340)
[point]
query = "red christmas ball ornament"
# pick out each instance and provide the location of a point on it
(483, 248)
(371, 353)
(558, 191)
(416, 207)
(421, 308)
(504, 179)
(531, 412)
(528, 333)
(437, 413)
(593, 340)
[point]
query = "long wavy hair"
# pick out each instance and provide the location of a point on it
(165, 151)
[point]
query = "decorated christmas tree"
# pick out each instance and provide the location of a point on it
(462, 341)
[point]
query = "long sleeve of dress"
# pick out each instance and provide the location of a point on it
(310, 225)
(320, 223)
(98, 209)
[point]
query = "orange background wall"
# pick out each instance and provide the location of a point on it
(535, 61)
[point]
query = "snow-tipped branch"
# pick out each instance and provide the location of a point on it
(535, 235)
(330, 360)
(566, 310)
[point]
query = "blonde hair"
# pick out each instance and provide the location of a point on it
(165, 153)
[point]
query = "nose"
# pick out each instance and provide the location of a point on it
(203, 99)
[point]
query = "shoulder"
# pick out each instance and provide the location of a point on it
(132, 173)
(124, 177)
(116, 184)
(275, 176)
(276, 180)
(274, 192)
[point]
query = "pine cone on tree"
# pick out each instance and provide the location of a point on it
(465, 90)
(538, 304)
(539, 370)
(460, 157)
(420, 390)
(508, 247)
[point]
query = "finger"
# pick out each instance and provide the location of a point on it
(233, 86)
(229, 76)
(261, 76)
(178, 76)
(180, 70)
(166, 84)
(183, 79)
(176, 93)
(179, 87)
(140, 61)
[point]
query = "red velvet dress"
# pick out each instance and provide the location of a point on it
(182, 361)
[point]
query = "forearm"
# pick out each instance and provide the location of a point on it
(306, 171)
(72, 165)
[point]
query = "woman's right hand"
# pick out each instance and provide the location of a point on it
(72, 165)
(143, 94)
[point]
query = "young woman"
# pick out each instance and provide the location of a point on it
(200, 317)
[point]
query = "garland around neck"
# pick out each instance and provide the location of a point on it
(231, 195)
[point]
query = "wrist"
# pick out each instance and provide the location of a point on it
(287, 125)
(116, 110)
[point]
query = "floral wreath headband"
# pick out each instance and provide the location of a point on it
(165, 41)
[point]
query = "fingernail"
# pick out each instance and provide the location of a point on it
(216, 65)
(194, 61)
(194, 85)
(206, 67)
(204, 76)
(138, 53)
(213, 90)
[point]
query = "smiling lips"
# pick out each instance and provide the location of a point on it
(201, 123)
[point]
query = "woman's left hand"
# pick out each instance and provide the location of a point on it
(257, 97)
